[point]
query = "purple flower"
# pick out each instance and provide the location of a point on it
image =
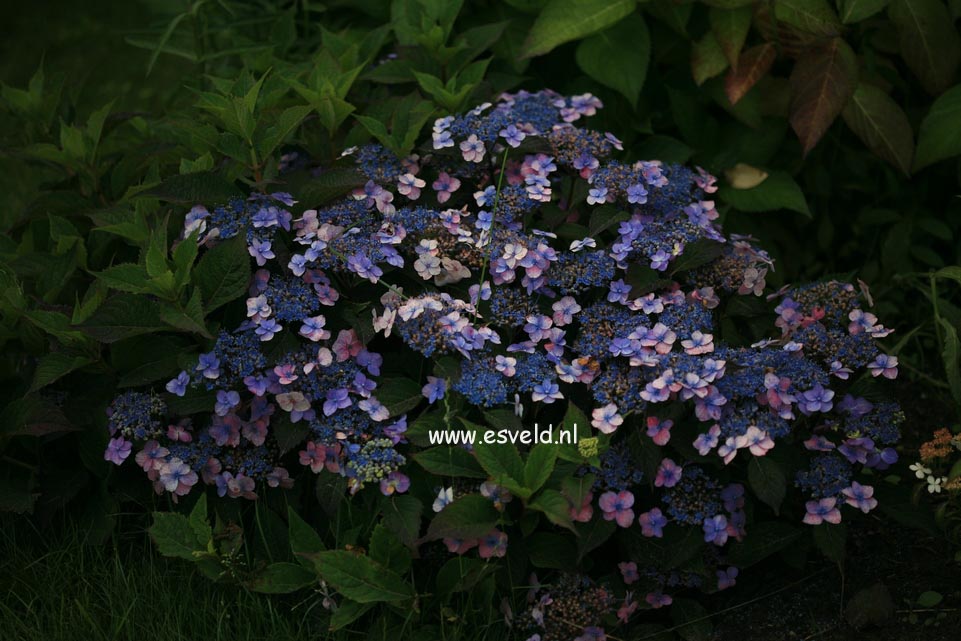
(619, 291)
(860, 496)
(494, 544)
(592, 633)
(652, 523)
(658, 599)
(118, 449)
(225, 402)
(726, 578)
(395, 482)
(606, 419)
(817, 399)
(884, 365)
(177, 477)
(178, 386)
(445, 185)
(546, 392)
(260, 250)
(715, 530)
(434, 390)
(313, 329)
(822, 511)
(471, 149)
(636, 194)
(209, 365)
(597, 196)
(364, 267)
(617, 507)
(267, 329)
(668, 474)
(337, 399)
(628, 571)
(512, 135)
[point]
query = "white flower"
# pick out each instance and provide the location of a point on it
(934, 483)
(919, 470)
(445, 496)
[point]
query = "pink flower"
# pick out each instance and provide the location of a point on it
(347, 345)
(668, 474)
(617, 507)
(822, 511)
(584, 513)
(606, 419)
(652, 523)
(494, 544)
(628, 571)
(658, 599)
(659, 431)
(460, 546)
(757, 441)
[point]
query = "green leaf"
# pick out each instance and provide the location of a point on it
(555, 507)
(360, 578)
(762, 540)
(730, 27)
(881, 125)
(329, 185)
(752, 65)
(189, 317)
(504, 465)
(125, 277)
(930, 599)
(402, 517)
(54, 366)
(951, 355)
(539, 465)
(445, 460)
(288, 120)
(175, 536)
(707, 58)
(564, 20)
(122, 316)
(830, 539)
(145, 359)
(386, 549)
(768, 481)
(940, 136)
(691, 620)
(857, 10)
(190, 189)
(778, 191)
(399, 395)
(552, 550)
(304, 540)
(468, 517)
(930, 44)
(810, 16)
(618, 57)
(282, 578)
(461, 574)
(223, 273)
(822, 82)
(348, 612)
(199, 523)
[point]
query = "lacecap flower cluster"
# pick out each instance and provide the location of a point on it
(482, 249)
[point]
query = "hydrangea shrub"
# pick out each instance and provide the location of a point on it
(516, 272)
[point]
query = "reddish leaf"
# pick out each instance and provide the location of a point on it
(821, 84)
(753, 64)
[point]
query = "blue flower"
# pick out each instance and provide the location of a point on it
(434, 390)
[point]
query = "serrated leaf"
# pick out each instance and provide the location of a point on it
(831, 540)
(555, 507)
(54, 366)
(707, 58)
(282, 578)
(778, 191)
(223, 273)
(881, 125)
(940, 135)
(125, 277)
(951, 355)
(561, 21)
(303, 538)
(174, 536)
(190, 189)
(822, 82)
(348, 612)
(810, 16)
(618, 56)
(123, 316)
(857, 10)
(930, 44)
(469, 517)
(402, 516)
(539, 465)
(399, 395)
(730, 27)
(768, 481)
(504, 465)
(360, 578)
(445, 460)
(751, 67)
(762, 540)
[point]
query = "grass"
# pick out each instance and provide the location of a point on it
(67, 589)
